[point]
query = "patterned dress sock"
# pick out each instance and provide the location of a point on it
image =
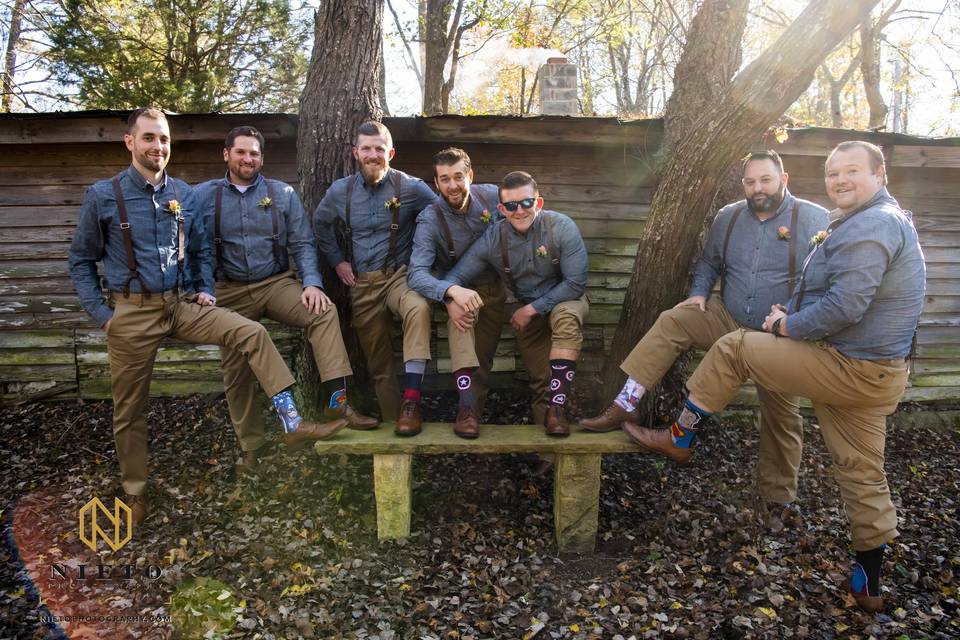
(687, 426)
(413, 379)
(629, 396)
(336, 392)
(866, 573)
(287, 411)
(465, 385)
(561, 376)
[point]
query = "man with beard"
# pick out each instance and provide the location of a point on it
(253, 226)
(541, 256)
(755, 248)
(144, 226)
(844, 342)
(445, 230)
(375, 211)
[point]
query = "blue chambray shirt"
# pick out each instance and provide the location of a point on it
(370, 220)
(758, 261)
(246, 230)
(154, 232)
(864, 286)
(430, 249)
(537, 281)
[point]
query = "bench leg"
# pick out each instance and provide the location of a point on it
(391, 483)
(576, 501)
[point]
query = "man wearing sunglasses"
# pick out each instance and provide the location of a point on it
(541, 257)
(445, 230)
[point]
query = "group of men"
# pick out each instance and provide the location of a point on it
(812, 304)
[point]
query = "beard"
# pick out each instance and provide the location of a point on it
(457, 206)
(373, 172)
(768, 203)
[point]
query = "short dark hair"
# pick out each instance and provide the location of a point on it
(147, 112)
(246, 131)
(373, 128)
(516, 179)
(451, 156)
(874, 153)
(769, 154)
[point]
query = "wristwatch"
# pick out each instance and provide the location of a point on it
(775, 327)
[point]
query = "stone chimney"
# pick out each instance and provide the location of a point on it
(558, 88)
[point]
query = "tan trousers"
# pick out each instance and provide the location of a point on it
(850, 397)
(277, 298)
(562, 329)
(136, 329)
(476, 347)
(781, 427)
(376, 298)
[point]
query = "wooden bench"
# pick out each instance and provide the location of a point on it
(576, 493)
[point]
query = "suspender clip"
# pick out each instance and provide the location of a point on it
(394, 227)
(124, 225)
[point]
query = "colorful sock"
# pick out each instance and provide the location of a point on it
(561, 375)
(629, 396)
(866, 573)
(336, 392)
(686, 428)
(413, 379)
(287, 411)
(465, 385)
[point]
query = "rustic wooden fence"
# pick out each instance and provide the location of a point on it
(600, 171)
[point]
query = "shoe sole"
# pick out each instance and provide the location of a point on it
(357, 427)
(595, 430)
(559, 435)
(655, 451)
(467, 436)
(407, 434)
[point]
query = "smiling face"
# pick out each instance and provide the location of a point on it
(244, 159)
(149, 144)
(763, 185)
(373, 154)
(521, 219)
(453, 181)
(850, 180)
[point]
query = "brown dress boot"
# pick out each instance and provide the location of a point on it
(658, 441)
(609, 420)
(249, 463)
(411, 419)
(310, 431)
(138, 508)
(555, 422)
(870, 604)
(466, 425)
(355, 419)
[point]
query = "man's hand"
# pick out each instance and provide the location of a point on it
(106, 325)
(776, 311)
(693, 301)
(466, 298)
(345, 273)
(315, 300)
(206, 300)
(521, 318)
(462, 319)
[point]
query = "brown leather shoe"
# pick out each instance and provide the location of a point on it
(657, 441)
(466, 425)
(609, 420)
(870, 604)
(310, 431)
(782, 515)
(138, 508)
(411, 419)
(355, 419)
(555, 422)
(248, 464)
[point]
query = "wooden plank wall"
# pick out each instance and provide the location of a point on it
(597, 170)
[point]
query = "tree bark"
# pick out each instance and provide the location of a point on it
(341, 92)
(10, 57)
(702, 148)
(870, 71)
(437, 50)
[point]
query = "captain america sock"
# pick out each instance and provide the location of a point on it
(629, 396)
(465, 386)
(866, 573)
(687, 426)
(336, 392)
(413, 379)
(287, 411)
(561, 376)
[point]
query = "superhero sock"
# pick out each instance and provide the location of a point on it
(866, 573)
(629, 396)
(465, 385)
(287, 411)
(561, 376)
(336, 392)
(687, 426)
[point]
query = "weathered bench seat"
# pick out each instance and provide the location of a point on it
(576, 471)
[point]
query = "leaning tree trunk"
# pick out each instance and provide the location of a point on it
(699, 158)
(870, 71)
(10, 56)
(341, 91)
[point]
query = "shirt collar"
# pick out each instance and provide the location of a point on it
(141, 183)
(253, 185)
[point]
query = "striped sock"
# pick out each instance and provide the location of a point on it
(413, 379)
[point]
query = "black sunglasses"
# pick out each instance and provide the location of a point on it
(526, 203)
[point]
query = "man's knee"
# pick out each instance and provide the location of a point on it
(566, 329)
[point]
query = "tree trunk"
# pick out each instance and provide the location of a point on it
(341, 91)
(711, 135)
(10, 59)
(870, 71)
(438, 15)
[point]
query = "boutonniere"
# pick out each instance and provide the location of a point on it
(783, 233)
(541, 251)
(175, 209)
(265, 203)
(818, 238)
(486, 217)
(392, 204)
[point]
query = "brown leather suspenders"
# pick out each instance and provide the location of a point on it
(792, 259)
(218, 239)
(726, 244)
(395, 180)
(552, 249)
(445, 228)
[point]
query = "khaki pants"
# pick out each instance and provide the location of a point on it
(850, 397)
(562, 329)
(277, 298)
(476, 347)
(136, 329)
(376, 298)
(781, 427)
